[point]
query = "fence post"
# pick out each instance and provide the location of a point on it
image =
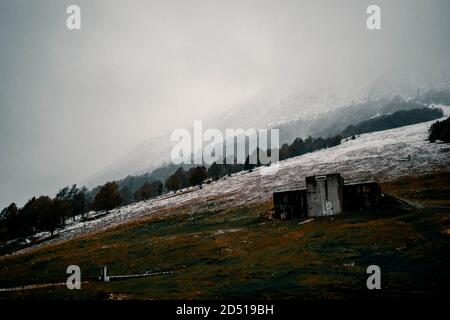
(104, 274)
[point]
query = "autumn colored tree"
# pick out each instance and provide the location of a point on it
(146, 191)
(177, 180)
(108, 197)
(53, 215)
(197, 176)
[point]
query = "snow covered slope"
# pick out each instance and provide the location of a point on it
(383, 155)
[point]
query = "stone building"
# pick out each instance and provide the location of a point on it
(324, 195)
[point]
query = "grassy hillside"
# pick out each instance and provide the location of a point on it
(429, 189)
(240, 253)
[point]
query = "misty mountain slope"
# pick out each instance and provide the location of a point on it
(145, 157)
(383, 155)
(319, 108)
(315, 98)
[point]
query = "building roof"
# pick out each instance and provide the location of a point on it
(358, 182)
(290, 187)
(301, 185)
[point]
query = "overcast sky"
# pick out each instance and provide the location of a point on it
(71, 102)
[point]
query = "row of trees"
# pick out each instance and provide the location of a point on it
(43, 213)
(182, 178)
(46, 214)
(394, 120)
(300, 146)
(109, 196)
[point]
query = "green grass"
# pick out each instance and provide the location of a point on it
(238, 254)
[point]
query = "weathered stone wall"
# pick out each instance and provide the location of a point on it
(324, 195)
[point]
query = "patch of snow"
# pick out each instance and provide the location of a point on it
(376, 116)
(307, 221)
(223, 231)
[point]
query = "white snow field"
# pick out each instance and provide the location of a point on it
(382, 156)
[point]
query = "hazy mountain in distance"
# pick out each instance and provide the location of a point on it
(146, 156)
(304, 104)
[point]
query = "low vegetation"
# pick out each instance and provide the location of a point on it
(440, 131)
(238, 253)
(430, 189)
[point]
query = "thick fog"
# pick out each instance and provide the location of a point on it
(73, 101)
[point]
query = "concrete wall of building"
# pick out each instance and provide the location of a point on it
(324, 195)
